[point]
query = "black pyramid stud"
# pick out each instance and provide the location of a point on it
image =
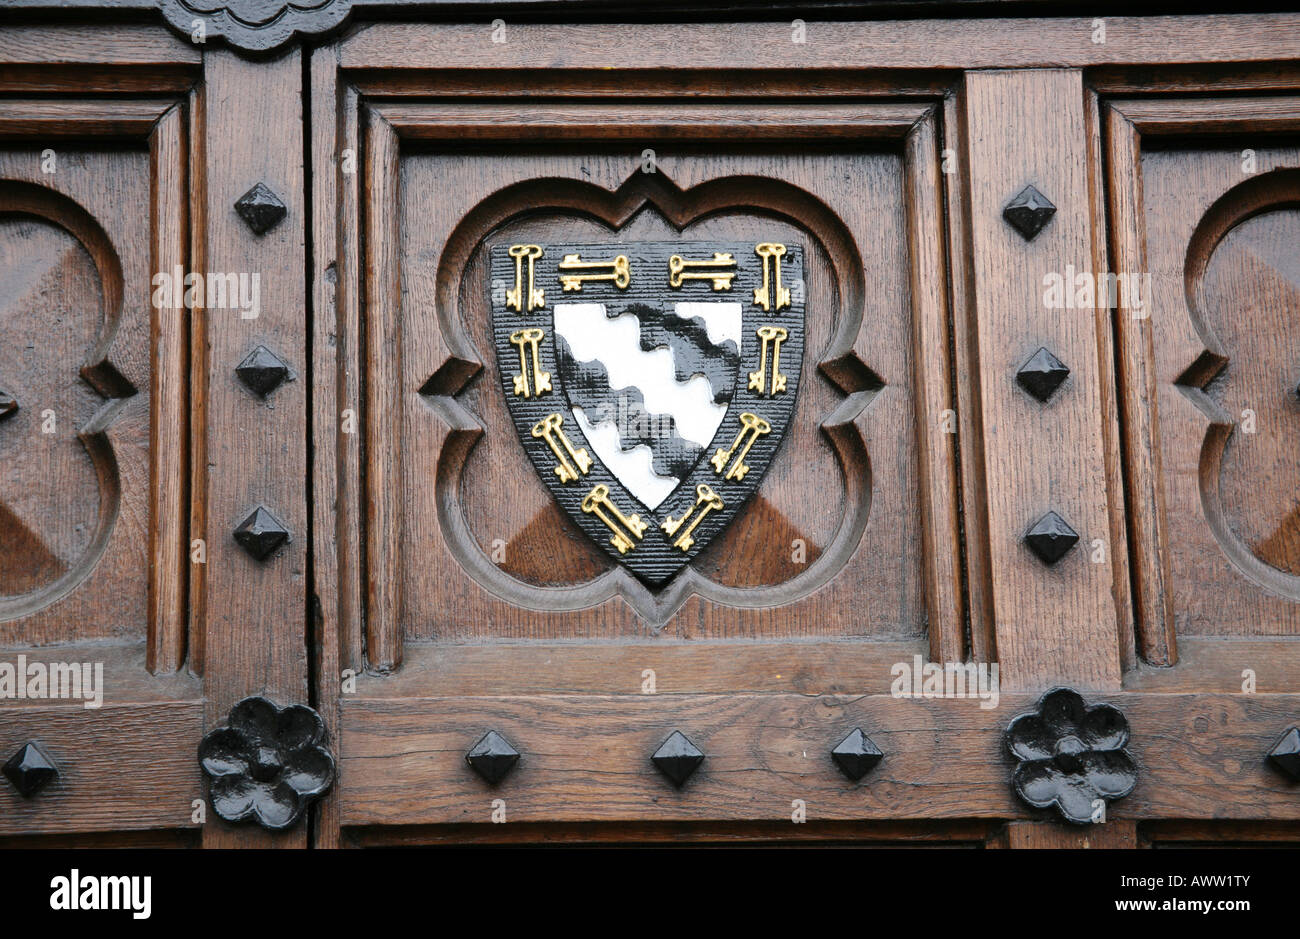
(856, 755)
(260, 208)
(1051, 538)
(677, 758)
(8, 404)
(261, 533)
(492, 757)
(30, 769)
(1285, 754)
(1028, 212)
(262, 371)
(1042, 374)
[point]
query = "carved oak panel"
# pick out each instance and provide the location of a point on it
(826, 540)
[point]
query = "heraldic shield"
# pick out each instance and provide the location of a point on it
(650, 383)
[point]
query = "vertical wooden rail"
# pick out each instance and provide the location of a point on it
(932, 372)
(1140, 403)
(254, 612)
(169, 393)
(1053, 623)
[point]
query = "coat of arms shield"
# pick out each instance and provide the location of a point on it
(650, 383)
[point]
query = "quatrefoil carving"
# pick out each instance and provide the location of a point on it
(650, 200)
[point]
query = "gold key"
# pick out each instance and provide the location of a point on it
(622, 526)
(526, 340)
(677, 270)
(515, 298)
(773, 335)
(550, 429)
(763, 295)
(619, 272)
(752, 427)
(704, 496)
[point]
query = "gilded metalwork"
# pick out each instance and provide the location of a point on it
(536, 298)
(619, 272)
(680, 269)
(751, 428)
(530, 361)
(706, 500)
(771, 296)
(572, 461)
(624, 527)
(771, 336)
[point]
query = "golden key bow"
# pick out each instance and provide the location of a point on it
(763, 296)
(536, 297)
(527, 340)
(620, 272)
(551, 429)
(773, 336)
(751, 428)
(678, 270)
(704, 496)
(597, 501)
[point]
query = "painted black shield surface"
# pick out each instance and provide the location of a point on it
(650, 383)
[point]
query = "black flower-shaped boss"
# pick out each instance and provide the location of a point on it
(1071, 755)
(268, 764)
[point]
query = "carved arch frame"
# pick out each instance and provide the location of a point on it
(1129, 123)
(161, 127)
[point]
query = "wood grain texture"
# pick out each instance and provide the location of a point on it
(255, 452)
(426, 354)
(1054, 623)
(1113, 453)
(1037, 835)
(612, 668)
(92, 368)
(121, 767)
(1147, 517)
(383, 386)
(87, 118)
(336, 598)
(903, 44)
(1219, 664)
(169, 390)
(936, 450)
(84, 45)
(948, 834)
(978, 580)
(1226, 494)
(586, 758)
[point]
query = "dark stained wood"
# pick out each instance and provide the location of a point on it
(948, 834)
(420, 599)
(66, 45)
(1112, 834)
(887, 148)
(913, 44)
(696, 667)
(1210, 503)
(71, 570)
(169, 447)
(123, 766)
(1221, 664)
(1057, 623)
(336, 602)
(254, 613)
(586, 758)
(1146, 509)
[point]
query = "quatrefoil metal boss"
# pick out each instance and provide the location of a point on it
(1071, 755)
(268, 764)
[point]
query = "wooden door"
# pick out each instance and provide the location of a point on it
(1035, 431)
